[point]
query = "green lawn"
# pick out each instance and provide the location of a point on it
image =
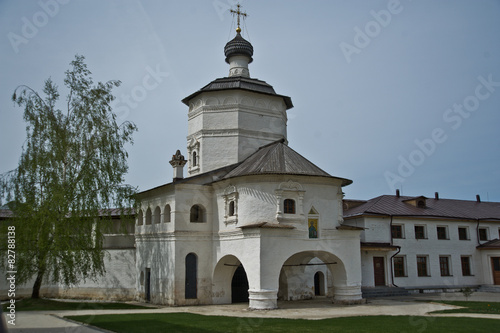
(472, 307)
(29, 304)
(186, 322)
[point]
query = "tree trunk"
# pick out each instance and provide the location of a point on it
(38, 283)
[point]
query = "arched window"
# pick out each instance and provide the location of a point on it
(197, 214)
(140, 218)
(190, 287)
(156, 216)
(195, 162)
(289, 206)
(231, 208)
(166, 214)
(149, 216)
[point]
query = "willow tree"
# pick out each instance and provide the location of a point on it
(70, 174)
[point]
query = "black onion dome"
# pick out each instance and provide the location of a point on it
(238, 46)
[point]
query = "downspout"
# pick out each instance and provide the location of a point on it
(477, 232)
(392, 257)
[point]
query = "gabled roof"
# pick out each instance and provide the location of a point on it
(278, 158)
(391, 205)
(239, 82)
(491, 245)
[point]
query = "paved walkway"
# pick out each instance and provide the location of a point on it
(53, 321)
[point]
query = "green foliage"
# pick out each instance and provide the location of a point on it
(71, 172)
(42, 304)
(186, 322)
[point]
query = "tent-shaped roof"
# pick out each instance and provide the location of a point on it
(278, 158)
(242, 83)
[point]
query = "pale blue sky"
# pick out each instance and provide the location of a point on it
(367, 103)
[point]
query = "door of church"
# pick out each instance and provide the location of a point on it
(495, 267)
(239, 286)
(379, 271)
(148, 285)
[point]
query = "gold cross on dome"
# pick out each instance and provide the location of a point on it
(239, 13)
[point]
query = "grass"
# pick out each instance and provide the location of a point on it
(472, 307)
(42, 304)
(187, 322)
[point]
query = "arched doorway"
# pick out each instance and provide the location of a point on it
(319, 284)
(239, 286)
(307, 274)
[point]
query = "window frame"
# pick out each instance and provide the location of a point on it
(423, 267)
(486, 234)
(466, 265)
(466, 229)
(400, 268)
(445, 268)
(424, 231)
(401, 231)
(289, 206)
(446, 234)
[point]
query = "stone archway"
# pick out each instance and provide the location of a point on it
(230, 283)
(296, 279)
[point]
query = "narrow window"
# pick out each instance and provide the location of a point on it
(289, 206)
(195, 162)
(149, 216)
(231, 208)
(419, 232)
(399, 267)
(444, 265)
(483, 234)
(466, 269)
(397, 231)
(442, 233)
(462, 233)
(190, 290)
(422, 266)
(166, 213)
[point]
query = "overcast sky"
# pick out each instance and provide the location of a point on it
(391, 94)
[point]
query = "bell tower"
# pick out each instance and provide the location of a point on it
(231, 117)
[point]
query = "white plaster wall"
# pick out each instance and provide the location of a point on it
(118, 283)
(260, 192)
(367, 270)
(432, 247)
(230, 125)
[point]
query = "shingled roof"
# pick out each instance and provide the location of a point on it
(240, 83)
(390, 205)
(278, 158)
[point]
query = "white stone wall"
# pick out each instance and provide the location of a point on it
(118, 283)
(231, 125)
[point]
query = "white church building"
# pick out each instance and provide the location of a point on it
(248, 219)
(253, 220)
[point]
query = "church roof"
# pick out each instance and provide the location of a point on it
(278, 158)
(434, 208)
(239, 82)
(238, 46)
